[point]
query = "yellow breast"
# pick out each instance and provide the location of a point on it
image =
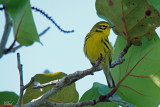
(94, 46)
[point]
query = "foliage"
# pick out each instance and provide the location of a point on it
(132, 19)
(94, 93)
(100, 89)
(145, 76)
(135, 20)
(67, 94)
(23, 24)
(8, 98)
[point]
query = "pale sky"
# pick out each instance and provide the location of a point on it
(60, 52)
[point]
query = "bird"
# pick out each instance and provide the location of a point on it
(97, 44)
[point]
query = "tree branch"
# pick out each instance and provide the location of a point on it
(22, 87)
(44, 31)
(46, 84)
(79, 104)
(119, 59)
(6, 33)
(65, 81)
(69, 79)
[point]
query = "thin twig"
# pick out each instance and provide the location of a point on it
(7, 30)
(56, 81)
(14, 49)
(44, 31)
(19, 65)
(119, 59)
(22, 87)
(46, 84)
(30, 82)
(65, 81)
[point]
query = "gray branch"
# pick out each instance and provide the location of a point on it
(65, 81)
(119, 59)
(7, 30)
(46, 84)
(79, 104)
(22, 87)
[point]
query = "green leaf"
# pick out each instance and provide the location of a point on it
(141, 18)
(67, 94)
(115, 98)
(4, 1)
(104, 90)
(23, 23)
(8, 98)
(95, 92)
(142, 87)
(155, 3)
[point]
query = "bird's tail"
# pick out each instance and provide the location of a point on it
(109, 77)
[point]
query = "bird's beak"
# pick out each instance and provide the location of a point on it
(112, 26)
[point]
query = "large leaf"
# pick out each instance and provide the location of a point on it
(104, 90)
(95, 92)
(4, 1)
(142, 87)
(155, 3)
(67, 94)
(137, 18)
(8, 98)
(23, 23)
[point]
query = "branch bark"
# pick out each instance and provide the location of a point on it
(119, 59)
(69, 79)
(7, 30)
(65, 81)
(79, 104)
(22, 87)
(46, 84)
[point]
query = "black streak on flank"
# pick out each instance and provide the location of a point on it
(106, 40)
(104, 44)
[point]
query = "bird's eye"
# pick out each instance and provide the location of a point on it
(104, 26)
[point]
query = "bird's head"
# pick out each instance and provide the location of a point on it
(102, 26)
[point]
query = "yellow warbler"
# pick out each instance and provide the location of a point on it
(96, 44)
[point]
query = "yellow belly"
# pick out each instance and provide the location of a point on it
(94, 48)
